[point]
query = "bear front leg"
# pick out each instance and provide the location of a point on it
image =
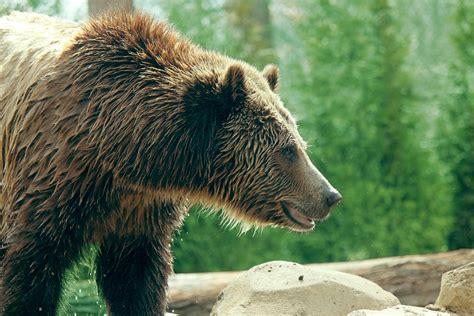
(32, 271)
(132, 274)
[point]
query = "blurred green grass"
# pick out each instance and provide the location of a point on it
(82, 299)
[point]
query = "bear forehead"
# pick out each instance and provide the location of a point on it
(268, 104)
(260, 115)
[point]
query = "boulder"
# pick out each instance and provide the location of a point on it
(400, 310)
(285, 288)
(457, 291)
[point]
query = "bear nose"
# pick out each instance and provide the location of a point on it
(333, 198)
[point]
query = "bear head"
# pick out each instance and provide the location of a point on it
(257, 169)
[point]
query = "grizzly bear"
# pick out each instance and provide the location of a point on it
(109, 131)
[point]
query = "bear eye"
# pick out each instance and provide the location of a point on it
(289, 152)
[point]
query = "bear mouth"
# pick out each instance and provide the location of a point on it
(295, 215)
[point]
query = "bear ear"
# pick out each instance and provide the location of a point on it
(272, 74)
(233, 84)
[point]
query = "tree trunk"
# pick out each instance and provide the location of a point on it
(97, 7)
(415, 280)
(251, 19)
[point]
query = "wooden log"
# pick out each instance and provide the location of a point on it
(195, 293)
(415, 279)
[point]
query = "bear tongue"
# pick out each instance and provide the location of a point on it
(298, 217)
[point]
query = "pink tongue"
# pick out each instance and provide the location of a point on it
(299, 217)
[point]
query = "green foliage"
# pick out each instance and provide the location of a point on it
(83, 299)
(81, 296)
(199, 254)
(42, 6)
(199, 20)
(456, 130)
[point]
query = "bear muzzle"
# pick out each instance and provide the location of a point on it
(304, 219)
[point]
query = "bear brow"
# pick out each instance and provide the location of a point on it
(291, 121)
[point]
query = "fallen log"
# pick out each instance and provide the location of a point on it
(415, 279)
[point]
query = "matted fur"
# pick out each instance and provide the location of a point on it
(109, 131)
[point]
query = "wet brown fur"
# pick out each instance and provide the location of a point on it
(116, 131)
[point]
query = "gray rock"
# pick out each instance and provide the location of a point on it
(457, 291)
(285, 288)
(400, 310)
